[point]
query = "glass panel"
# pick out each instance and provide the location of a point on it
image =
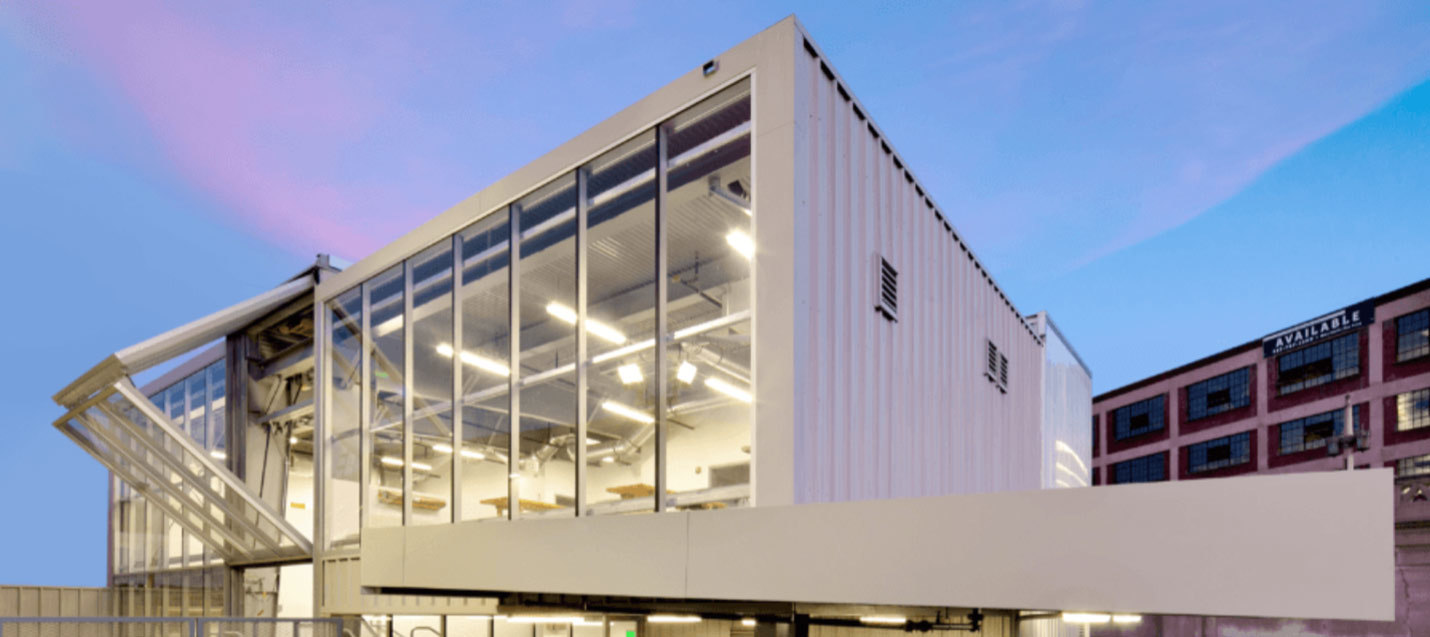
(710, 246)
(486, 350)
(341, 502)
(122, 437)
(621, 295)
(547, 486)
(215, 579)
(432, 385)
(386, 394)
(217, 384)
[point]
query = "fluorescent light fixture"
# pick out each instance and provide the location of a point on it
(543, 619)
(1086, 618)
(741, 242)
(630, 374)
(514, 476)
(719, 384)
(219, 455)
(628, 412)
(292, 440)
(387, 327)
(884, 620)
(748, 622)
(589, 622)
(592, 441)
(685, 373)
(608, 459)
(673, 619)
(476, 360)
(1126, 619)
(605, 332)
(397, 462)
(466, 453)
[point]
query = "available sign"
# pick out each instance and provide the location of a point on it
(1350, 318)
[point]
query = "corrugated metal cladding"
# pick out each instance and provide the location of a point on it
(895, 409)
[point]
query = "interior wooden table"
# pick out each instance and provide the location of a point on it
(526, 505)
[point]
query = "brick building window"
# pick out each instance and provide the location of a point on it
(1318, 364)
(1311, 432)
(1141, 417)
(1413, 466)
(1094, 435)
(1227, 451)
(1412, 410)
(1412, 336)
(1215, 395)
(1151, 468)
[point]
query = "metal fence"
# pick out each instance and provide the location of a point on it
(169, 627)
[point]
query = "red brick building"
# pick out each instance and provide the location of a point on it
(1272, 404)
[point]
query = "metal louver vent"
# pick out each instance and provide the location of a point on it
(888, 291)
(997, 367)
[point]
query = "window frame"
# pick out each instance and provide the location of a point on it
(1414, 397)
(1335, 374)
(1420, 352)
(1235, 400)
(1114, 469)
(1237, 442)
(1159, 412)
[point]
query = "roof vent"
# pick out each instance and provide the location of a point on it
(710, 68)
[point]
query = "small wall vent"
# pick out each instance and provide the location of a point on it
(888, 291)
(997, 367)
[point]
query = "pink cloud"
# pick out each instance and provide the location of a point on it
(228, 109)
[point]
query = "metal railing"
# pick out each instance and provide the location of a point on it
(170, 627)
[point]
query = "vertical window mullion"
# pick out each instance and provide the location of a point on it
(662, 295)
(514, 380)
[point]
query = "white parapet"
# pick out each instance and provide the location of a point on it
(1312, 545)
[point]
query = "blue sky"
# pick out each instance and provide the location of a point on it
(1168, 179)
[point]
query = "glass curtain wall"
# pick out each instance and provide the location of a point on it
(344, 438)
(588, 268)
(707, 364)
(485, 372)
(145, 538)
(620, 327)
(546, 376)
(432, 422)
(386, 397)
